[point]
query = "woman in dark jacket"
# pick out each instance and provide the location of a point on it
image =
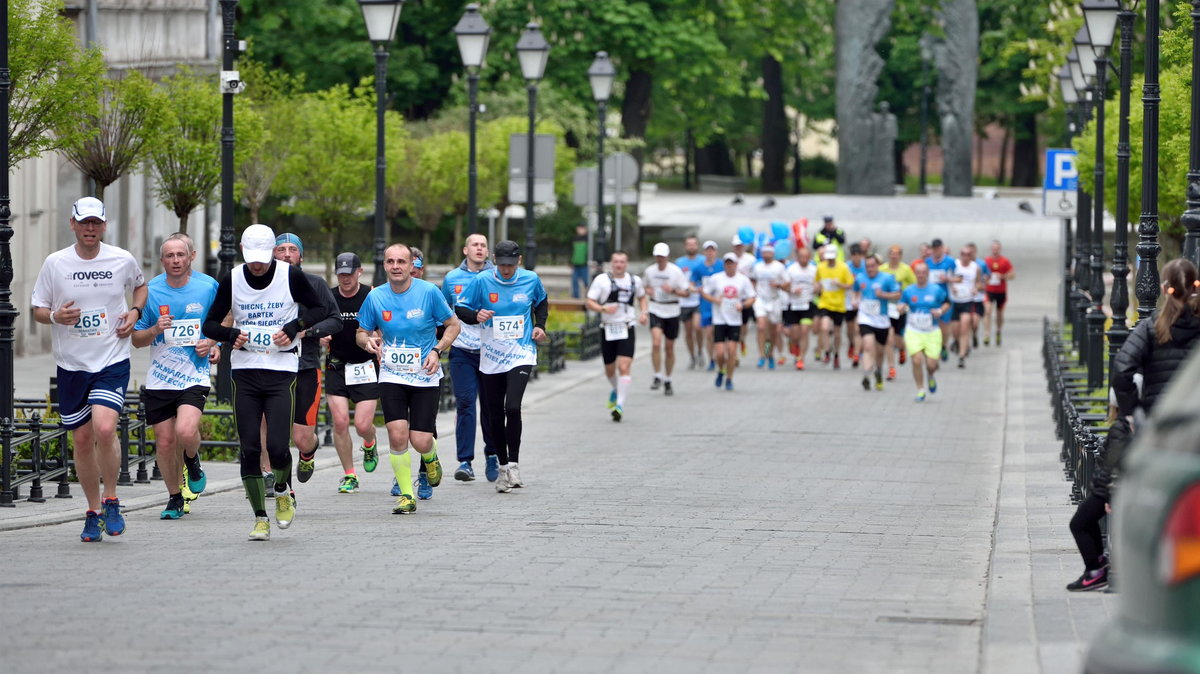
(1155, 349)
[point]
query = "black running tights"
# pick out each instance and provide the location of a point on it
(501, 395)
(258, 394)
(1085, 527)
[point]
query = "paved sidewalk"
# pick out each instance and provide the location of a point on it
(795, 524)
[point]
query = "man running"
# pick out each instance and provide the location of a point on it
(767, 276)
(731, 294)
(941, 267)
(997, 292)
(874, 291)
(746, 261)
(290, 249)
(689, 306)
(81, 292)
(904, 276)
(613, 295)
(800, 280)
(833, 280)
(980, 293)
(965, 281)
(398, 323)
(178, 380)
(926, 303)
(464, 366)
(857, 267)
(265, 296)
(511, 304)
(350, 375)
(666, 285)
(709, 266)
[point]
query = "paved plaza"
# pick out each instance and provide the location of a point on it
(797, 523)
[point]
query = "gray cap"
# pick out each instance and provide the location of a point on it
(347, 263)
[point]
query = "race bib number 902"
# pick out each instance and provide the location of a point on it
(402, 359)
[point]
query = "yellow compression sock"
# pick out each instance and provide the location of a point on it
(402, 468)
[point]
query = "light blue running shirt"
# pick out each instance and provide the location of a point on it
(507, 338)
(174, 364)
(920, 302)
(408, 322)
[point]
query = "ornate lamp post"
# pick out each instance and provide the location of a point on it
(381, 17)
(1147, 277)
(1083, 219)
(473, 34)
(532, 51)
(601, 75)
(228, 250)
(1071, 98)
(8, 313)
(1191, 217)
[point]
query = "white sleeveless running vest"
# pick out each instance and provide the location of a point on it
(264, 311)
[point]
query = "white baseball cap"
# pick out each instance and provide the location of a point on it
(661, 249)
(829, 254)
(88, 207)
(258, 243)
(766, 248)
(731, 257)
(737, 241)
(710, 244)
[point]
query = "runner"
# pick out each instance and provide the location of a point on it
(424, 488)
(265, 297)
(613, 295)
(924, 250)
(857, 267)
(941, 266)
(711, 265)
(965, 281)
(833, 280)
(767, 276)
(351, 375)
(178, 380)
(980, 294)
(926, 303)
(746, 261)
(904, 276)
(731, 294)
(81, 292)
(511, 304)
(800, 280)
(689, 306)
(290, 249)
(398, 323)
(464, 366)
(666, 285)
(997, 292)
(874, 291)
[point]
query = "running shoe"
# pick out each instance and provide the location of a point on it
(424, 489)
(729, 384)
(348, 485)
(612, 402)
(692, 363)
(720, 378)
(1090, 580)
(854, 360)
(174, 509)
(492, 469)
(196, 483)
(826, 358)
(667, 390)
(761, 363)
(92, 528)
(617, 413)
(712, 365)
(878, 384)
(794, 349)
(920, 397)
(405, 505)
(799, 363)
(743, 348)
(945, 354)
(997, 339)
(433, 469)
(932, 385)
(305, 468)
(866, 383)
(465, 472)
(891, 374)
(285, 510)
(503, 485)
(987, 341)
(782, 361)
(837, 362)
(186, 490)
(261, 530)
(903, 356)
(114, 523)
(770, 363)
(514, 476)
(395, 487)
(962, 363)
(974, 341)
(654, 385)
(370, 457)
(187, 507)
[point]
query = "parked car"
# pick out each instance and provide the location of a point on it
(1156, 542)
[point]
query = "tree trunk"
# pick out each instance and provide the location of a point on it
(635, 109)
(254, 213)
(749, 164)
(1002, 172)
(1025, 163)
(714, 159)
(331, 253)
(458, 229)
(774, 127)
(898, 176)
(424, 240)
(183, 219)
(100, 191)
(689, 152)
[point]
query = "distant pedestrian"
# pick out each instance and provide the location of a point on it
(579, 262)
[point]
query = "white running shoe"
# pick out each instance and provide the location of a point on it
(514, 476)
(503, 483)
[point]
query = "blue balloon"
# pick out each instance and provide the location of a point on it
(783, 249)
(779, 231)
(746, 234)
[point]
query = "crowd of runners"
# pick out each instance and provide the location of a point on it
(383, 346)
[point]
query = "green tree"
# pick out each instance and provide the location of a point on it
(54, 80)
(432, 180)
(272, 95)
(131, 115)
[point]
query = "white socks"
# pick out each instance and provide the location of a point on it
(623, 385)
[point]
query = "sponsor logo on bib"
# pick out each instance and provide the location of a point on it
(387, 315)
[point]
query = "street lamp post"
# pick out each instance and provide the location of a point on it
(1147, 277)
(381, 17)
(1191, 217)
(473, 34)
(8, 313)
(1071, 98)
(1083, 219)
(532, 51)
(228, 251)
(601, 75)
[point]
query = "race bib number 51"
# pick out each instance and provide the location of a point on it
(360, 373)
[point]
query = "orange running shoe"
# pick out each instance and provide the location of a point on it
(799, 363)
(891, 374)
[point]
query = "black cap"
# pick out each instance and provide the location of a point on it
(828, 218)
(936, 243)
(347, 263)
(507, 252)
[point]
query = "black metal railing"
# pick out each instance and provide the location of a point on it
(1077, 424)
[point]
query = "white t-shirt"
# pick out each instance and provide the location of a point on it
(803, 281)
(734, 291)
(746, 263)
(662, 303)
(763, 273)
(964, 290)
(629, 288)
(98, 288)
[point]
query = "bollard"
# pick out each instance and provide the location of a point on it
(35, 488)
(123, 431)
(6, 492)
(142, 476)
(64, 464)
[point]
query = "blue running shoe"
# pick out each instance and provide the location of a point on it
(729, 384)
(114, 523)
(197, 485)
(771, 363)
(920, 397)
(761, 362)
(712, 365)
(492, 470)
(174, 509)
(465, 472)
(91, 528)
(720, 378)
(395, 487)
(932, 385)
(424, 490)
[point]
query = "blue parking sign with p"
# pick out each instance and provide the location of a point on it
(1061, 171)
